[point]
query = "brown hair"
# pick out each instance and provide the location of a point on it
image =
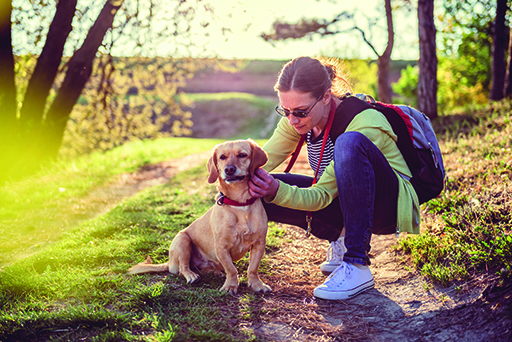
(312, 75)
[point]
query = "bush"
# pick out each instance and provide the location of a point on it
(456, 87)
(407, 85)
(126, 99)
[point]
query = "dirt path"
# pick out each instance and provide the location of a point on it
(403, 306)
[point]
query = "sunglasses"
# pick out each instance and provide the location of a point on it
(297, 113)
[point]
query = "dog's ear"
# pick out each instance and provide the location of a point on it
(259, 157)
(211, 165)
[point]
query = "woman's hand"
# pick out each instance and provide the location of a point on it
(263, 184)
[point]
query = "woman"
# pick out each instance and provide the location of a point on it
(362, 186)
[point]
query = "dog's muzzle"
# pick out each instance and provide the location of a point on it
(234, 179)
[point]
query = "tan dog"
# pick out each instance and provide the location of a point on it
(236, 224)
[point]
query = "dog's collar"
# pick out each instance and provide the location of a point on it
(224, 200)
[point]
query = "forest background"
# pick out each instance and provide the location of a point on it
(73, 96)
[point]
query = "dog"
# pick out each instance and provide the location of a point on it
(236, 224)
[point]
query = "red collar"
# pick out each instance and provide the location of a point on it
(224, 200)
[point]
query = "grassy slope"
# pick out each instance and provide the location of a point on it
(76, 287)
(467, 229)
(37, 210)
(250, 116)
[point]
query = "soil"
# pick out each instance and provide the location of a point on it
(403, 305)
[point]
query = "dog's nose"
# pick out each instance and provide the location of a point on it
(230, 170)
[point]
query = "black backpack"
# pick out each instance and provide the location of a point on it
(416, 141)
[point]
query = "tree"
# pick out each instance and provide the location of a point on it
(32, 133)
(508, 75)
(465, 50)
(307, 27)
(427, 80)
(30, 139)
(499, 46)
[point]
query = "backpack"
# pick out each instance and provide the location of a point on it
(416, 141)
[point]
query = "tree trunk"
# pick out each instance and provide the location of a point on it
(508, 76)
(384, 87)
(383, 61)
(427, 80)
(78, 72)
(7, 84)
(9, 134)
(42, 78)
(498, 52)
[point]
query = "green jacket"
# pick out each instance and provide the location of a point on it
(375, 127)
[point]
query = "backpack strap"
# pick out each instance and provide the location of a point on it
(351, 106)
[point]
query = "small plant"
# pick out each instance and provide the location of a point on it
(427, 286)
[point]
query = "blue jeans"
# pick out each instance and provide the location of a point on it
(367, 198)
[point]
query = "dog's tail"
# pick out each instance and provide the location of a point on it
(148, 267)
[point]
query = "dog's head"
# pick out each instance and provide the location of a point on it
(234, 161)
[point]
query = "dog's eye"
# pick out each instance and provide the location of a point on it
(222, 157)
(242, 155)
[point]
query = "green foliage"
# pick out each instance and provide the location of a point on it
(464, 70)
(468, 230)
(460, 84)
(127, 99)
(464, 58)
(407, 85)
(362, 75)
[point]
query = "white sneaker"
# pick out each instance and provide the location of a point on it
(335, 254)
(345, 282)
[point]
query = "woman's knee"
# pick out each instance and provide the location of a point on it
(350, 145)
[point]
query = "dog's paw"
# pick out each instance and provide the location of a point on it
(230, 288)
(191, 277)
(259, 286)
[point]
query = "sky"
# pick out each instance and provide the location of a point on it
(247, 19)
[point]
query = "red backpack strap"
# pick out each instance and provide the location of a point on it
(295, 153)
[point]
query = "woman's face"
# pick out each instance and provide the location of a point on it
(293, 100)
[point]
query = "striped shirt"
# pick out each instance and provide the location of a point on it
(314, 147)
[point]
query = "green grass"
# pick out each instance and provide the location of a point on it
(467, 231)
(77, 288)
(37, 210)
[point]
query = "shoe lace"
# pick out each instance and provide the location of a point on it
(340, 274)
(335, 251)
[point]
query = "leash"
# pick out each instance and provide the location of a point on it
(295, 154)
(224, 200)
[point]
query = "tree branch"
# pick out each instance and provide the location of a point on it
(366, 40)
